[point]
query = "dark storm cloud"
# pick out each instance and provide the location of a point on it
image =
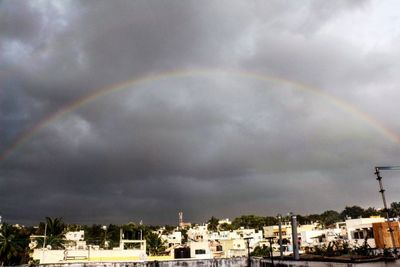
(216, 143)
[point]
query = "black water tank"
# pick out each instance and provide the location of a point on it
(182, 253)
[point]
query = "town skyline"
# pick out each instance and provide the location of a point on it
(326, 218)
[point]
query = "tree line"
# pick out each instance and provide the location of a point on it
(14, 240)
(325, 219)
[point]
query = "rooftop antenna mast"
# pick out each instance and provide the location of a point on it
(382, 191)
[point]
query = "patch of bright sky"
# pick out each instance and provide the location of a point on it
(374, 26)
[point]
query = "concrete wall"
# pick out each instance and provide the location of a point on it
(232, 262)
(54, 256)
(267, 263)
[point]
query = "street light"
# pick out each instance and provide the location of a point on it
(382, 191)
(105, 234)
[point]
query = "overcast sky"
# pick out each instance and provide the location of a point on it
(234, 107)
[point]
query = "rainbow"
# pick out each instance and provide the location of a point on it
(27, 135)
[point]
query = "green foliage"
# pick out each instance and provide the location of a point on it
(169, 229)
(13, 245)
(225, 227)
(113, 235)
(97, 235)
(334, 248)
(55, 227)
(253, 221)
(155, 245)
(364, 249)
(259, 251)
(94, 234)
(73, 227)
(212, 224)
(330, 217)
(302, 219)
(354, 212)
(55, 230)
(371, 211)
(395, 209)
(184, 235)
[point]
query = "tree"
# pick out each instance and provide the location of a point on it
(113, 235)
(168, 229)
(395, 209)
(302, 219)
(225, 227)
(330, 217)
(155, 245)
(54, 230)
(352, 212)
(11, 251)
(94, 234)
(212, 224)
(253, 221)
(261, 251)
(269, 220)
(371, 211)
(55, 227)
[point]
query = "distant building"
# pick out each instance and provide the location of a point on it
(183, 224)
(172, 239)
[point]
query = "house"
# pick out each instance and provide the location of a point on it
(361, 230)
(172, 239)
(76, 250)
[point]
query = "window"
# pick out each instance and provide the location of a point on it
(356, 235)
(200, 251)
(361, 235)
(370, 233)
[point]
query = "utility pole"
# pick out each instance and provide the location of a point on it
(44, 241)
(271, 250)
(280, 235)
(295, 244)
(382, 191)
(248, 251)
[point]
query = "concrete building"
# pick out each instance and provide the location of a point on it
(359, 230)
(200, 249)
(172, 239)
(198, 233)
(77, 250)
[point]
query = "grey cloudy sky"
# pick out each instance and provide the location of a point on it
(212, 133)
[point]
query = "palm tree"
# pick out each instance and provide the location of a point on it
(54, 229)
(10, 250)
(155, 245)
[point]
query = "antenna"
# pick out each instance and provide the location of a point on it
(382, 191)
(180, 219)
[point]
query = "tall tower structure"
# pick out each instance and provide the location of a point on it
(180, 219)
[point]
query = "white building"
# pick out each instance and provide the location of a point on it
(360, 229)
(75, 235)
(172, 239)
(200, 250)
(198, 233)
(77, 250)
